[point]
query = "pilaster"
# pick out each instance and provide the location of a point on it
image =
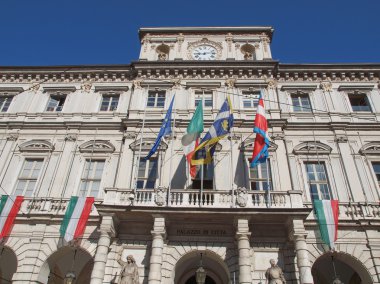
(244, 248)
(158, 235)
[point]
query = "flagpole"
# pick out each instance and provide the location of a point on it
(171, 160)
(202, 166)
(231, 160)
(141, 140)
(269, 187)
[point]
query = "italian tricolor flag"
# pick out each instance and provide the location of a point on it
(76, 217)
(327, 214)
(9, 207)
(191, 139)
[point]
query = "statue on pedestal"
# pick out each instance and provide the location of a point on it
(130, 272)
(274, 274)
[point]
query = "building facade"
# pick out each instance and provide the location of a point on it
(84, 130)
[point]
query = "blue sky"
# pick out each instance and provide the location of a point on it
(50, 32)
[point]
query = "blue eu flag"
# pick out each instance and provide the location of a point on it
(165, 130)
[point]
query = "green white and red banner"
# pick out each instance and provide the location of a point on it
(76, 216)
(327, 214)
(9, 207)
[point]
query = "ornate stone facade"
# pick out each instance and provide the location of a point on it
(323, 121)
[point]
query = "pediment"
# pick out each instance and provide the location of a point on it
(372, 148)
(247, 146)
(97, 146)
(312, 148)
(146, 145)
(36, 146)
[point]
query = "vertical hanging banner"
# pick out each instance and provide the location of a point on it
(9, 207)
(190, 140)
(76, 216)
(327, 214)
(261, 146)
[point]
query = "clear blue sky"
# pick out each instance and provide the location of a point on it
(74, 32)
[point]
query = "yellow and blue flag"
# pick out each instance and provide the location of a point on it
(166, 129)
(221, 127)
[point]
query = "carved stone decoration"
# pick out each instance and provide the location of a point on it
(248, 51)
(204, 41)
(371, 148)
(312, 148)
(180, 39)
(163, 52)
(97, 146)
(36, 146)
(160, 195)
(241, 197)
(229, 39)
(326, 86)
(129, 272)
(341, 139)
(230, 83)
(272, 84)
(86, 87)
(274, 274)
(35, 88)
(145, 42)
(12, 137)
(177, 84)
(71, 137)
(137, 84)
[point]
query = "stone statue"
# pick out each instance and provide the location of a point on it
(274, 274)
(130, 272)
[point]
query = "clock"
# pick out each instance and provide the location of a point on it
(204, 52)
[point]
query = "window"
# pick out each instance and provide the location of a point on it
(251, 99)
(318, 182)
(109, 102)
(207, 99)
(208, 177)
(376, 169)
(258, 176)
(156, 99)
(301, 102)
(91, 178)
(5, 101)
(147, 173)
(359, 102)
(56, 103)
(28, 177)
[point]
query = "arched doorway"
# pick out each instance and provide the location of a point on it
(216, 269)
(8, 264)
(65, 260)
(349, 269)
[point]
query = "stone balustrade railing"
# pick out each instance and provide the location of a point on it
(239, 198)
(354, 211)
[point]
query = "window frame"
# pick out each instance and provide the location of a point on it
(327, 182)
(253, 100)
(208, 97)
(358, 95)
(112, 96)
(208, 170)
(158, 93)
(302, 108)
(260, 180)
(29, 178)
(5, 97)
(146, 178)
(54, 96)
(91, 180)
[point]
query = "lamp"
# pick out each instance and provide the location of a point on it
(69, 278)
(336, 279)
(200, 274)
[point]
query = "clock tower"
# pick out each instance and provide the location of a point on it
(205, 43)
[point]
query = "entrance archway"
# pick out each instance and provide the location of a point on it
(8, 264)
(349, 269)
(216, 269)
(65, 260)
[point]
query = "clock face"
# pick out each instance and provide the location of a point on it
(204, 52)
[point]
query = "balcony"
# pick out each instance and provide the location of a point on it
(208, 199)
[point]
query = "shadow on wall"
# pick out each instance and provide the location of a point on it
(180, 177)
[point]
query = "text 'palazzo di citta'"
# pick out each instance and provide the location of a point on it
(145, 173)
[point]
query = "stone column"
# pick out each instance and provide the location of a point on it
(242, 236)
(298, 234)
(107, 230)
(158, 235)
